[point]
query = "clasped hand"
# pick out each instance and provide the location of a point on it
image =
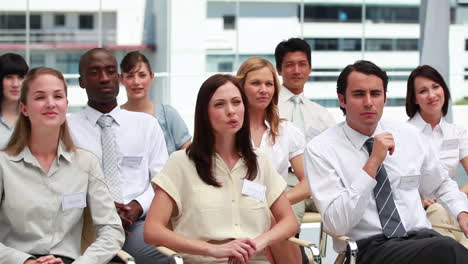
(50, 259)
(239, 251)
(129, 213)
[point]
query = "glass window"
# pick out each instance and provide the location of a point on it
(379, 44)
(325, 44)
(67, 62)
(407, 44)
(35, 21)
(19, 21)
(386, 14)
(59, 20)
(320, 13)
(86, 22)
(12, 21)
(36, 60)
(225, 66)
(350, 44)
(229, 22)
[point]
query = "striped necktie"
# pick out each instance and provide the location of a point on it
(388, 213)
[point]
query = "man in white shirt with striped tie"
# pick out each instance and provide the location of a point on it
(366, 175)
(130, 146)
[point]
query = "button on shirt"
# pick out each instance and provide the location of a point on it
(316, 117)
(33, 219)
(5, 132)
(141, 148)
(450, 141)
(289, 143)
(343, 191)
(208, 213)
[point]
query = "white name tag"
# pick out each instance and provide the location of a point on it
(450, 144)
(132, 161)
(409, 182)
(254, 190)
(73, 201)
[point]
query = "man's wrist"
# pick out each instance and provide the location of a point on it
(138, 207)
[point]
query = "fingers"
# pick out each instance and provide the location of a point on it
(50, 259)
(44, 259)
(122, 207)
(249, 245)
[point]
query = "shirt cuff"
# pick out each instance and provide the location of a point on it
(459, 207)
(145, 199)
(19, 257)
(364, 184)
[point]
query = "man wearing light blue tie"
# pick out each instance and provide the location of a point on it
(130, 145)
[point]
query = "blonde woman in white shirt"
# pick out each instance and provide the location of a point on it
(280, 139)
(46, 182)
(427, 101)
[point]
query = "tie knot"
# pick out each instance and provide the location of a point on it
(369, 144)
(105, 121)
(296, 99)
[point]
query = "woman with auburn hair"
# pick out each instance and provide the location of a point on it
(13, 68)
(427, 100)
(219, 192)
(280, 139)
(46, 182)
(137, 76)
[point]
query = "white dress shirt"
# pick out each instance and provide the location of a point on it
(288, 144)
(316, 117)
(140, 145)
(449, 141)
(343, 191)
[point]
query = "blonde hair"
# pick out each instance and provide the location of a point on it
(272, 114)
(22, 133)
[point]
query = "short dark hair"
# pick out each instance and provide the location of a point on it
(131, 60)
(431, 73)
(291, 45)
(11, 63)
(201, 150)
(362, 66)
(88, 53)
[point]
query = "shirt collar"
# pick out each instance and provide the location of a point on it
(421, 125)
(358, 139)
(286, 94)
(4, 123)
(28, 157)
(93, 115)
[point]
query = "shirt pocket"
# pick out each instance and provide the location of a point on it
(409, 182)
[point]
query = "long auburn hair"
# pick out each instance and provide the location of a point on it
(202, 149)
(22, 132)
(271, 112)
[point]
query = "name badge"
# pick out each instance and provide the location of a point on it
(74, 201)
(132, 161)
(409, 182)
(450, 144)
(254, 190)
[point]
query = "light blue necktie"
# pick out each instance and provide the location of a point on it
(109, 157)
(297, 116)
